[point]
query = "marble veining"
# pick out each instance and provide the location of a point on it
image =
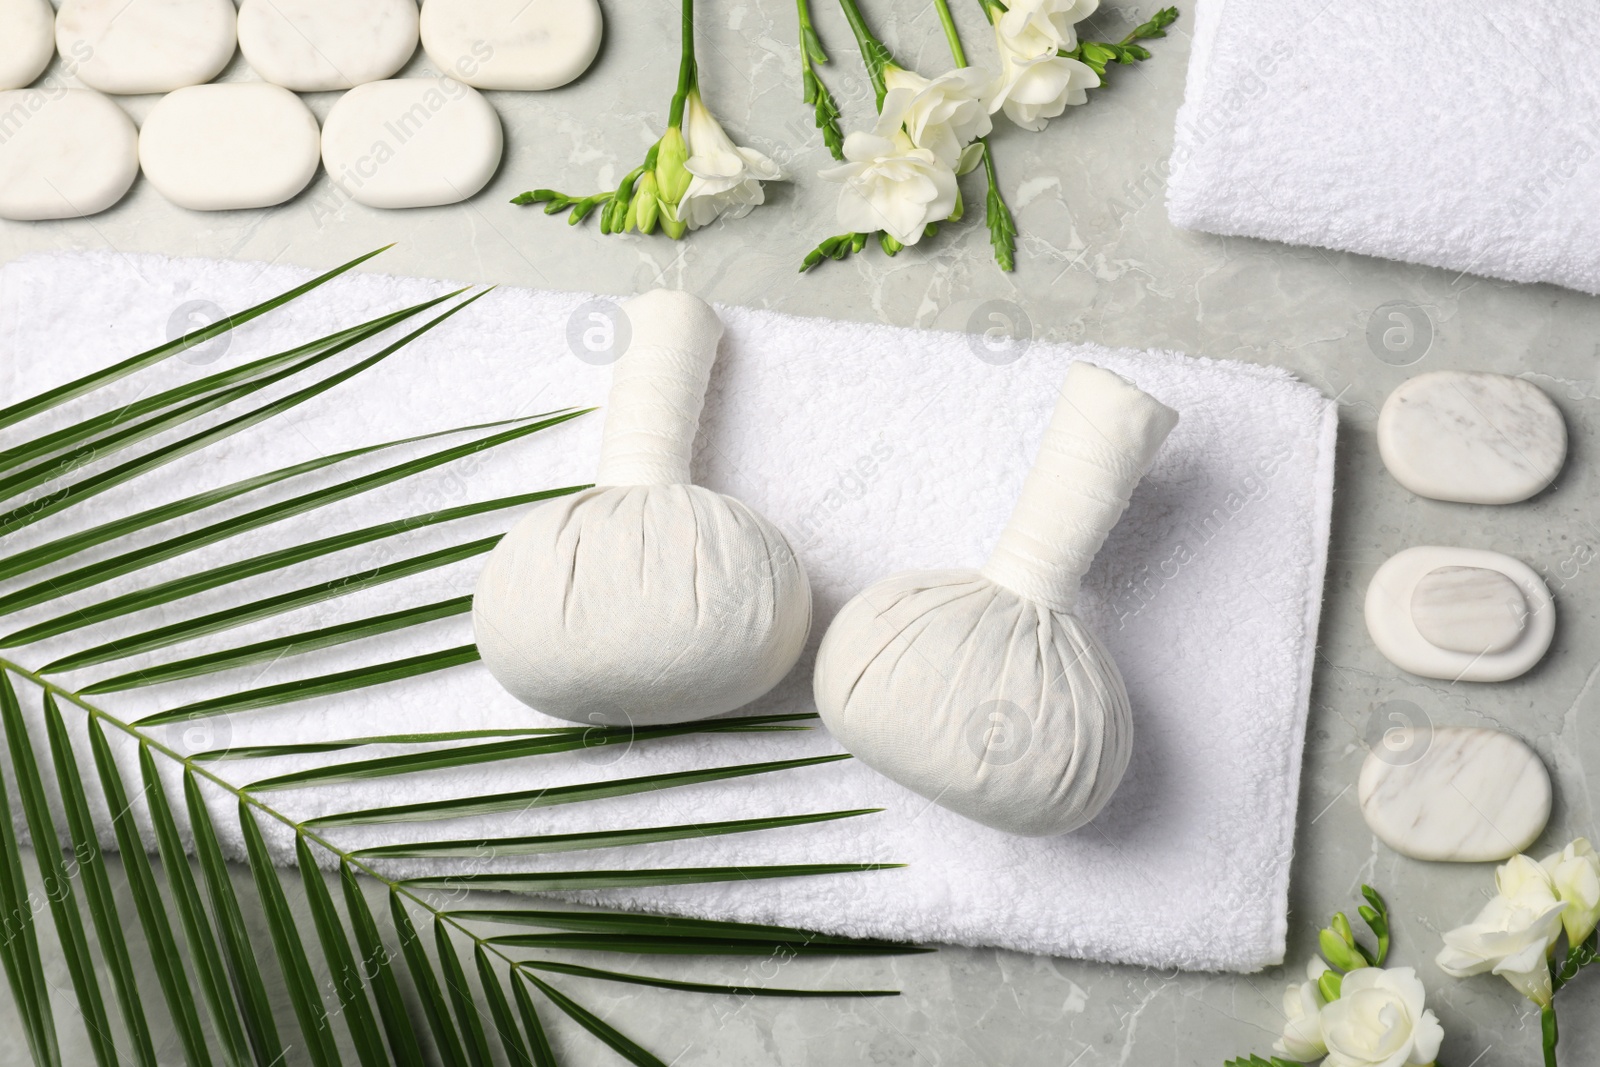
(146, 46)
(1469, 609)
(1472, 437)
(316, 45)
(1454, 794)
(1431, 620)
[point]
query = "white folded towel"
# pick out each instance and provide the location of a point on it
(1457, 136)
(876, 449)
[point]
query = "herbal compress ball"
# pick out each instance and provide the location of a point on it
(645, 599)
(980, 689)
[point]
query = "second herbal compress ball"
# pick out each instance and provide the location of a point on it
(981, 689)
(645, 599)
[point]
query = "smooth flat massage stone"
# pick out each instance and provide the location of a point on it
(68, 153)
(27, 41)
(1432, 611)
(1458, 795)
(229, 146)
(1470, 437)
(1469, 609)
(146, 46)
(512, 44)
(315, 45)
(411, 142)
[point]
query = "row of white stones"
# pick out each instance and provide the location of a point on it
(1454, 793)
(391, 143)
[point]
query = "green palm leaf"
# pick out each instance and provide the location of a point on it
(147, 900)
(256, 610)
(249, 992)
(96, 884)
(284, 647)
(540, 798)
(26, 409)
(579, 971)
(621, 1043)
(320, 686)
(582, 738)
(542, 844)
(431, 1009)
(303, 995)
(380, 977)
(348, 984)
(57, 881)
(204, 948)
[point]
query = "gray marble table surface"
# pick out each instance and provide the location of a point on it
(1097, 261)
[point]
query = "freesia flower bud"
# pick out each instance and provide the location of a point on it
(672, 177)
(1338, 951)
(1575, 874)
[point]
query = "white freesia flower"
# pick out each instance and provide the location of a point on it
(1575, 874)
(727, 179)
(1380, 1020)
(1035, 87)
(1052, 20)
(1302, 1002)
(890, 184)
(1513, 934)
(943, 115)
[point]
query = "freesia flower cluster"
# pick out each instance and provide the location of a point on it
(1038, 80)
(1518, 933)
(1353, 1012)
(691, 177)
(899, 179)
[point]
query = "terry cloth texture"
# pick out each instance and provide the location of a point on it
(1434, 152)
(875, 449)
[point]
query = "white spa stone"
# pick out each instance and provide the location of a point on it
(1426, 576)
(1471, 437)
(27, 41)
(66, 153)
(230, 146)
(1471, 796)
(146, 46)
(317, 45)
(512, 44)
(1469, 609)
(411, 142)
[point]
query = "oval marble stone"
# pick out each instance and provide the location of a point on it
(27, 41)
(1471, 437)
(1469, 609)
(512, 44)
(316, 45)
(228, 146)
(67, 153)
(1470, 796)
(411, 142)
(146, 46)
(1412, 579)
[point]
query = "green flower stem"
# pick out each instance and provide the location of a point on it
(997, 214)
(688, 70)
(825, 108)
(947, 20)
(1547, 1026)
(874, 53)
